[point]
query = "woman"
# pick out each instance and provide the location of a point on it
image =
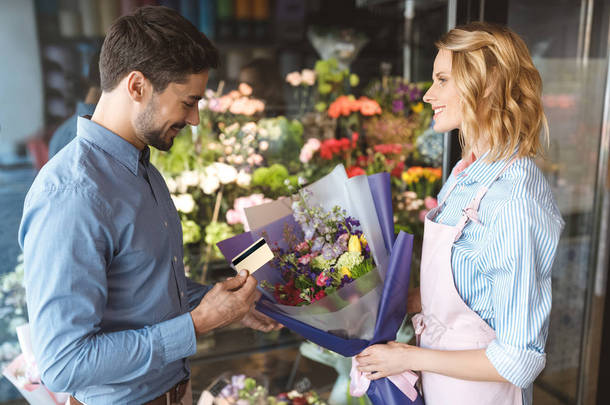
(489, 246)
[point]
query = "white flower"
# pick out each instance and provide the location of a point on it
(243, 179)
(249, 128)
(209, 183)
(308, 77)
(172, 185)
(226, 173)
(294, 78)
(184, 203)
(189, 178)
(238, 159)
(228, 150)
(248, 139)
(202, 104)
(264, 145)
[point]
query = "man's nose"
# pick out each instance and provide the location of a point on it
(193, 116)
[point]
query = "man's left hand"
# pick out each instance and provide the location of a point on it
(259, 321)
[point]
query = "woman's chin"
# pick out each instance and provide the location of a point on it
(439, 127)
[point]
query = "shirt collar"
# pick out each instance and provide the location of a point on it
(484, 172)
(117, 147)
(84, 109)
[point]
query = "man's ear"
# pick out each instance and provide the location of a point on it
(137, 86)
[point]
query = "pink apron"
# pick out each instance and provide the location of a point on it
(447, 323)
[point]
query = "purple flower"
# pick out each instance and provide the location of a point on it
(398, 106)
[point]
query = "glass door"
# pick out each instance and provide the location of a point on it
(569, 44)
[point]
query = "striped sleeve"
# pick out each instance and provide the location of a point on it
(517, 260)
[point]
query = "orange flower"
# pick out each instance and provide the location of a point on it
(343, 105)
(369, 107)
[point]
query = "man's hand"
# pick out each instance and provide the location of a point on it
(260, 321)
(225, 303)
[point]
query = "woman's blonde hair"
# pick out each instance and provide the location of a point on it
(500, 89)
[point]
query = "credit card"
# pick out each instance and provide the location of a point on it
(253, 257)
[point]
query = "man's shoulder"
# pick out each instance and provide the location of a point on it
(63, 135)
(74, 170)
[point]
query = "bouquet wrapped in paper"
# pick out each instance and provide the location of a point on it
(23, 374)
(338, 275)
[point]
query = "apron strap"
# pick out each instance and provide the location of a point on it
(471, 212)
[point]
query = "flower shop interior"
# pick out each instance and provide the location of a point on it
(304, 85)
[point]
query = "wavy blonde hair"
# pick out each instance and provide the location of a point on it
(500, 88)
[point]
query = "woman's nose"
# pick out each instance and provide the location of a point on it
(429, 96)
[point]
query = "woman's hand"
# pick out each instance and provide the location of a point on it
(379, 361)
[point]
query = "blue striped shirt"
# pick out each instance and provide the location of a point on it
(502, 265)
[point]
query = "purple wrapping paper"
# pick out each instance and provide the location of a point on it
(392, 309)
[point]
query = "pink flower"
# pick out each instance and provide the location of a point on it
(308, 77)
(234, 217)
(294, 78)
(302, 246)
(430, 202)
(234, 94)
(305, 259)
(305, 155)
(311, 146)
(321, 280)
(224, 104)
(422, 215)
(237, 215)
(255, 160)
(343, 240)
(245, 89)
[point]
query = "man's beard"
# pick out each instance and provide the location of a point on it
(145, 127)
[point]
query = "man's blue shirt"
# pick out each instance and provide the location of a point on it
(107, 297)
(67, 130)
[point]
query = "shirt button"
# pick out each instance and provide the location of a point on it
(165, 223)
(175, 259)
(182, 294)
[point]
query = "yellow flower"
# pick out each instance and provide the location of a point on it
(345, 272)
(363, 241)
(354, 244)
(417, 108)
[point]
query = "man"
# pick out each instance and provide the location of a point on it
(113, 316)
(67, 130)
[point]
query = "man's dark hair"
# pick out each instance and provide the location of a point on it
(158, 42)
(93, 78)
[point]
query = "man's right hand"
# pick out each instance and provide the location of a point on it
(225, 303)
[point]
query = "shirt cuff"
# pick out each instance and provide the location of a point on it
(519, 366)
(177, 338)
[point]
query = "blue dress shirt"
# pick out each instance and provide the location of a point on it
(502, 265)
(107, 297)
(67, 130)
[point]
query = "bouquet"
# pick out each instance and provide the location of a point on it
(334, 252)
(23, 373)
(342, 297)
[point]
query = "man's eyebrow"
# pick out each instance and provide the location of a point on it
(194, 98)
(437, 74)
